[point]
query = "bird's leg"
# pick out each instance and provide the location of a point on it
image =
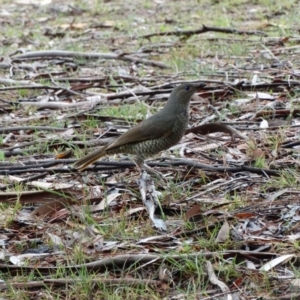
(140, 163)
(151, 171)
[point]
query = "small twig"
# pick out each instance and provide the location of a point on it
(61, 105)
(215, 187)
(105, 281)
(8, 138)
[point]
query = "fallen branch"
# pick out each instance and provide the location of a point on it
(204, 29)
(107, 165)
(64, 281)
(85, 55)
(17, 128)
(128, 260)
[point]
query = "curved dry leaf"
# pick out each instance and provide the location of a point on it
(276, 261)
(210, 128)
(223, 234)
(195, 210)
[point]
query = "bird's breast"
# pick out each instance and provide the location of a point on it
(146, 148)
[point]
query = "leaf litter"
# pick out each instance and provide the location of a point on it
(230, 194)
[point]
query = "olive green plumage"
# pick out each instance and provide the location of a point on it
(157, 133)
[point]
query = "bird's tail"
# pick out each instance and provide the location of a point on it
(90, 158)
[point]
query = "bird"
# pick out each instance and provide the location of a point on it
(159, 132)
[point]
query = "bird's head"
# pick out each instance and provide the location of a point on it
(183, 93)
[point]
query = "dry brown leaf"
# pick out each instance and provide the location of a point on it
(223, 234)
(192, 212)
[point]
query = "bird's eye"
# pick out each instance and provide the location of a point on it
(187, 87)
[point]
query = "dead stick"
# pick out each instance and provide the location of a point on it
(205, 29)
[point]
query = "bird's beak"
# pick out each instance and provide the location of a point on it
(200, 85)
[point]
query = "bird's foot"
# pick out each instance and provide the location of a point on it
(151, 171)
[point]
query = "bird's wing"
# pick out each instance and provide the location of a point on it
(149, 129)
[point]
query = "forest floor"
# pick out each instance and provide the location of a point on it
(75, 75)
